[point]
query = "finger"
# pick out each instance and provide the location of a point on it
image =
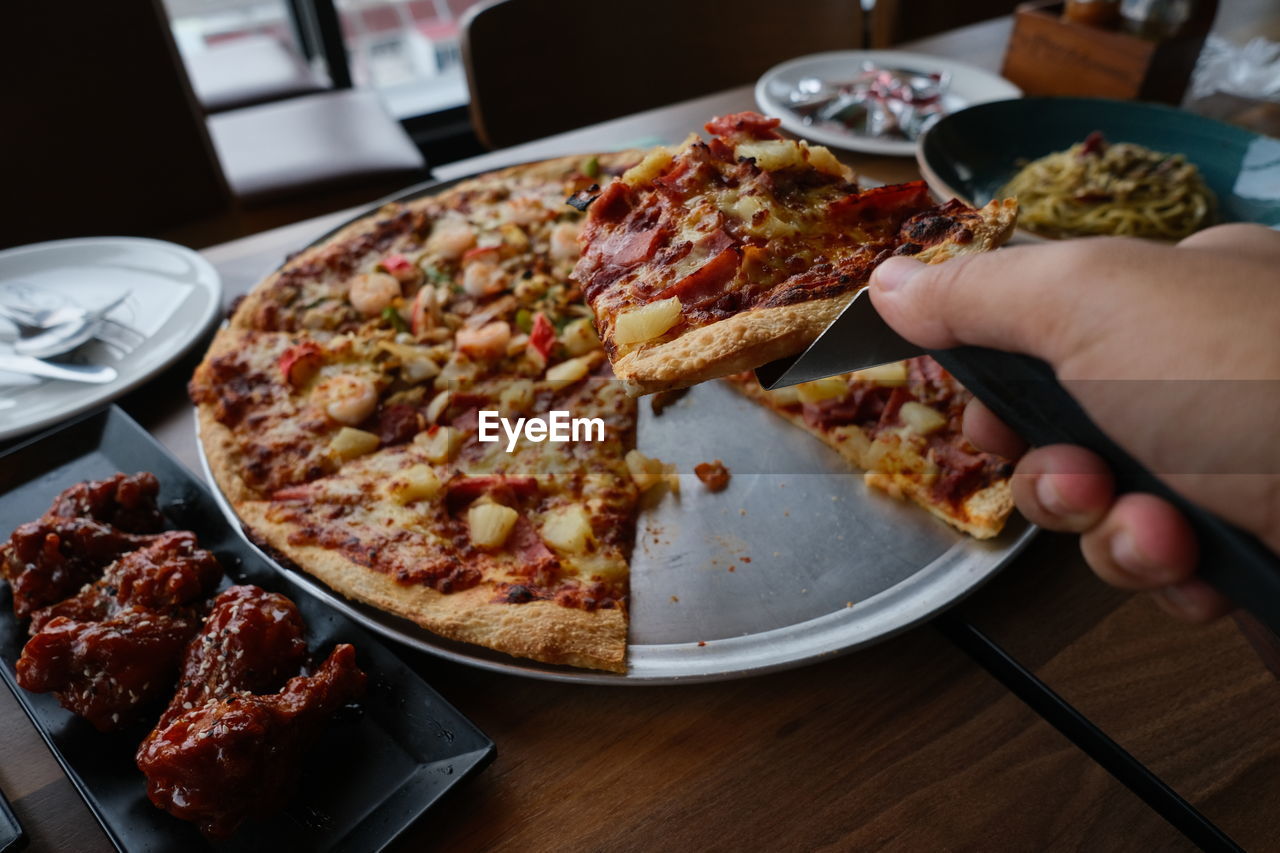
(1041, 300)
(987, 432)
(1193, 601)
(1063, 487)
(1240, 239)
(1143, 543)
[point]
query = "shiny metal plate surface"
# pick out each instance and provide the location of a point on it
(797, 560)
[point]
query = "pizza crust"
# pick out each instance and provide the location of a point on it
(746, 341)
(741, 342)
(540, 630)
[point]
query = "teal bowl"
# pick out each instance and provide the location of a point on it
(971, 154)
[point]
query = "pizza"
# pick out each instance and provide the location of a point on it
(902, 424)
(343, 410)
(340, 409)
(722, 255)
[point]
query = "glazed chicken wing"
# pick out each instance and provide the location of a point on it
(108, 671)
(87, 527)
(239, 757)
(171, 571)
(222, 753)
(251, 642)
(114, 648)
(124, 501)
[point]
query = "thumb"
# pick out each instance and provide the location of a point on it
(1025, 299)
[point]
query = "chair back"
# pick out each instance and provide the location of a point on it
(895, 21)
(101, 132)
(538, 67)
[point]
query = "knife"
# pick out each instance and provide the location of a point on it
(96, 374)
(1024, 393)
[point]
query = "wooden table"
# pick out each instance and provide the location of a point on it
(908, 745)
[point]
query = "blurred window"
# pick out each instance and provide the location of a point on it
(407, 50)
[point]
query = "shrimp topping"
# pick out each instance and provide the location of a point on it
(564, 242)
(347, 398)
(483, 277)
(450, 238)
(487, 342)
(372, 292)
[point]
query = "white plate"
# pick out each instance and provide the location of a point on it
(174, 298)
(969, 85)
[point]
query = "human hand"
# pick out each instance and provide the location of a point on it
(1173, 351)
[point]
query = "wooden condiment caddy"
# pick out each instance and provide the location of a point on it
(1049, 55)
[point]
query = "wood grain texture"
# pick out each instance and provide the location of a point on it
(907, 746)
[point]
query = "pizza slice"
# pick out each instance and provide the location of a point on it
(902, 424)
(723, 255)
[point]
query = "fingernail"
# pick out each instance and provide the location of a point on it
(894, 273)
(1049, 497)
(1125, 554)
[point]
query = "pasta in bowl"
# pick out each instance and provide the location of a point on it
(975, 154)
(1097, 187)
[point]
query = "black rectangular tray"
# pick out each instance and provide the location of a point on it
(371, 776)
(12, 837)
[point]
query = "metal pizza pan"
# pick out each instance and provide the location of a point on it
(795, 561)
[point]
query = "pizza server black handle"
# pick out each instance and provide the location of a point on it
(1026, 395)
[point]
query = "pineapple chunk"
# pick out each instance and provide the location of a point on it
(772, 154)
(822, 389)
(490, 524)
(646, 322)
(649, 168)
(746, 208)
(579, 337)
(350, 442)
(891, 375)
(513, 235)
(648, 472)
(920, 418)
(770, 225)
(823, 160)
(773, 227)
(567, 530)
(787, 396)
(439, 444)
(570, 371)
(516, 397)
(415, 483)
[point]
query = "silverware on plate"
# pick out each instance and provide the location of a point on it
(96, 374)
(54, 327)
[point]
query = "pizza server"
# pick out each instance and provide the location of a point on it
(1024, 393)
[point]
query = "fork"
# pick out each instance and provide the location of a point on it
(119, 338)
